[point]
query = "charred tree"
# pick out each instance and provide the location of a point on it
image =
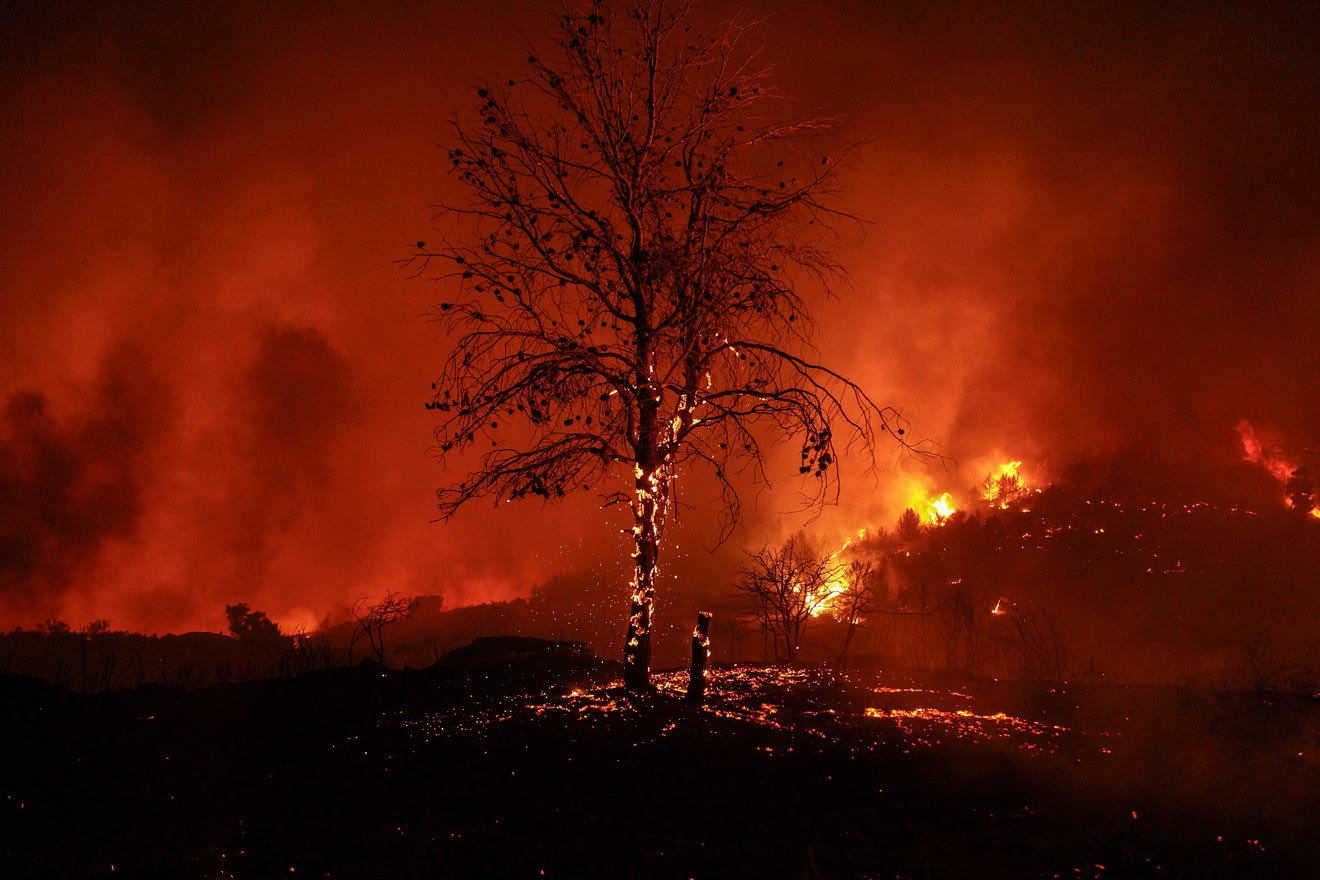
(861, 582)
(371, 620)
(636, 219)
(786, 586)
(696, 691)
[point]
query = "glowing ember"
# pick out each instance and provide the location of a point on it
(815, 704)
(964, 724)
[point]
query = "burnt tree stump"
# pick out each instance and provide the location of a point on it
(696, 691)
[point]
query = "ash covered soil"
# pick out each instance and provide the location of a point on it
(518, 758)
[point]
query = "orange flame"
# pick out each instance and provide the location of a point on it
(1255, 452)
(1005, 486)
(1272, 460)
(828, 596)
(938, 510)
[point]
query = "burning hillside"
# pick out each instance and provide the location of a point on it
(1129, 585)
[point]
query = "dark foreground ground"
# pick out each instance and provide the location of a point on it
(520, 759)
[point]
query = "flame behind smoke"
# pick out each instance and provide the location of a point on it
(938, 510)
(1273, 461)
(1255, 452)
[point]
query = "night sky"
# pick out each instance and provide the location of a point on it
(1092, 244)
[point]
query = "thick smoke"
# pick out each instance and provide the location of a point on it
(296, 399)
(71, 484)
(1092, 246)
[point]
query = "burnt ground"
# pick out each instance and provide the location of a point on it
(523, 759)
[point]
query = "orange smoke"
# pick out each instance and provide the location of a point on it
(1255, 452)
(1285, 470)
(938, 510)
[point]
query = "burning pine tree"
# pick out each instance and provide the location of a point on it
(627, 303)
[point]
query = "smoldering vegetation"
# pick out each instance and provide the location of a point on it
(517, 757)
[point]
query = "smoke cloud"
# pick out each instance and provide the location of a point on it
(72, 485)
(1091, 246)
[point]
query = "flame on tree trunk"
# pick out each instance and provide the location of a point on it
(637, 651)
(637, 647)
(651, 492)
(700, 654)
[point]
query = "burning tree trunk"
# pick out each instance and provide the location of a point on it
(700, 654)
(650, 505)
(646, 540)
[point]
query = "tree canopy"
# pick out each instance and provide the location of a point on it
(639, 216)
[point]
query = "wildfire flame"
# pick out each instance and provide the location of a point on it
(1255, 452)
(1273, 461)
(827, 598)
(1001, 485)
(938, 510)
(1006, 487)
(829, 595)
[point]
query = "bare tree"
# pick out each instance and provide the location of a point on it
(626, 266)
(306, 652)
(372, 620)
(861, 581)
(788, 585)
(962, 618)
(1040, 645)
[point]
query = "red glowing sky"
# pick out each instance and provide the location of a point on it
(1094, 230)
